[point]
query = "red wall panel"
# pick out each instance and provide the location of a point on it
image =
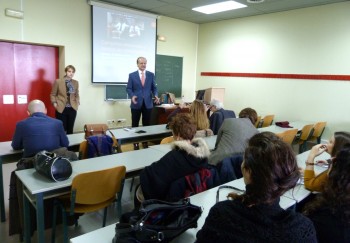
(33, 70)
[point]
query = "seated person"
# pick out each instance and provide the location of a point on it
(334, 145)
(189, 155)
(38, 132)
(198, 112)
(330, 210)
(269, 169)
(219, 115)
(233, 136)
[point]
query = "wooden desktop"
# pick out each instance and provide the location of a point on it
(160, 113)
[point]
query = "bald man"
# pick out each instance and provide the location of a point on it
(38, 132)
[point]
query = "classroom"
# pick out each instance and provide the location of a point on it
(306, 41)
(303, 41)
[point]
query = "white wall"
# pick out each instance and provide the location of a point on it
(67, 23)
(305, 41)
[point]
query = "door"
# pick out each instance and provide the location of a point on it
(26, 73)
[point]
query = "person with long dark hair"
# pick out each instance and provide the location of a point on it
(269, 169)
(330, 210)
(315, 182)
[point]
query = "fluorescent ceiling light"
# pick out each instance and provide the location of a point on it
(219, 7)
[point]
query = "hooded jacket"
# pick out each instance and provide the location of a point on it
(184, 159)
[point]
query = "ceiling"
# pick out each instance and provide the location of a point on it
(182, 9)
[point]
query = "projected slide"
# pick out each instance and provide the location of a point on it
(119, 37)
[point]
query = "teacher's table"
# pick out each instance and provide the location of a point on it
(37, 187)
(208, 197)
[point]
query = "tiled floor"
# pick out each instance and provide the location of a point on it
(87, 222)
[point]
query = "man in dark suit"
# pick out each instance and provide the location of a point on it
(141, 86)
(219, 115)
(38, 131)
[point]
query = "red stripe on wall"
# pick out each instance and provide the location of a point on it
(278, 75)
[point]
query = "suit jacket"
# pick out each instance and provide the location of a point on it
(59, 95)
(143, 93)
(232, 139)
(39, 132)
(218, 117)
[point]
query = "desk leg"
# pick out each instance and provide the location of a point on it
(40, 217)
(2, 200)
(26, 216)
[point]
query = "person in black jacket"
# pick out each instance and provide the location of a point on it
(219, 115)
(188, 155)
(269, 169)
(330, 211)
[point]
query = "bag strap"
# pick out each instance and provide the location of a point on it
(228, 187)
(115, 141)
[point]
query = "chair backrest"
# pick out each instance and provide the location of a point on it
(98, 186)
(288, 136)
(318, 130)
(258, 120)
(83, 150)
(306, 132)
(167, 140)
(97, 146)
(268, 120)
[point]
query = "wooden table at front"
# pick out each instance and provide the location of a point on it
(36, 187)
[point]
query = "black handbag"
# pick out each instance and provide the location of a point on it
(157, 221)
(51, 166)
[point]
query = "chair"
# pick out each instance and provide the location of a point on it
(96, 146)
(288, 136)
(304, 136)
(167, 140)
(267, 120)
(318, 131)
(257, 123)
(90, 191)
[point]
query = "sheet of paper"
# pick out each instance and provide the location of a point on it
(8, 99)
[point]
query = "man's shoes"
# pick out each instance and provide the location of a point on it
(145, 145)
(136, 146)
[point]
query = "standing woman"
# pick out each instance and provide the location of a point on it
(65, 98)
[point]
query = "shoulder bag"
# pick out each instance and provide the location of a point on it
(157, 221)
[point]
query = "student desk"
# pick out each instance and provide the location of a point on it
(122, 136)
(276, 129)
(131, 135)
(37, 187)
(204, 199)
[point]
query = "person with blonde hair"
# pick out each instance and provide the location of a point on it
(198, 113)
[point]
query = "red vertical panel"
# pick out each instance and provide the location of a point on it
(36, 68)
(7, 87)
(25, 70)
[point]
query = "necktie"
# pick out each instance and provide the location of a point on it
(143, 78)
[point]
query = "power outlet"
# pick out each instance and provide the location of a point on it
(121, 120)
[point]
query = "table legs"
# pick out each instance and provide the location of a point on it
(2, 200)
(39, 218)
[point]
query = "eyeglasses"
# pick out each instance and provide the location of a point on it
(226, 187)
